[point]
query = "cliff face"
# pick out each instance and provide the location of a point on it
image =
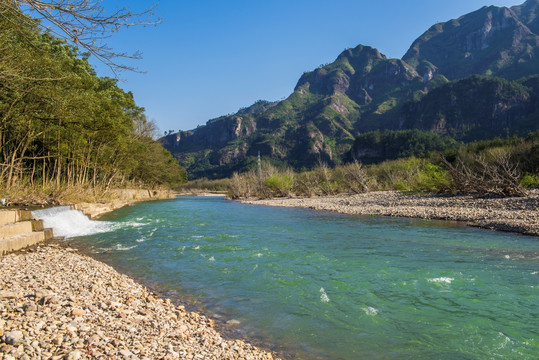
(496, 41)
(363, 90)
(476, 108)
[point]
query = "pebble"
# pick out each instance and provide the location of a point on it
(57, 304)
(13, 337)
(78, 312)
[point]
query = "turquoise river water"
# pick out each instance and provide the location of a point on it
(315, 285)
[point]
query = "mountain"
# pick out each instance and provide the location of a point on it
(434, 87)
(495, 41)
(476, 108)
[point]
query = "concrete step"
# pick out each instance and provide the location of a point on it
(18, 228)
(12, 216)
(21, 241)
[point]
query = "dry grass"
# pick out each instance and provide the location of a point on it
(26, 195)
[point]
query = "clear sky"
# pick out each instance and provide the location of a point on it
(211, 57)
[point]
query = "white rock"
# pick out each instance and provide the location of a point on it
(74, 355)
(13, 337)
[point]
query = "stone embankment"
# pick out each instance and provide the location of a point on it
(18, 230)
(57, 304)
(505, 214)
(121, 198)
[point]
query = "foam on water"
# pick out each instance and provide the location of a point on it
(370, 311)
(69, 223)
(118, 247)
(323, 296)
(446, 280)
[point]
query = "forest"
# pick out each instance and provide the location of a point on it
(64, 126)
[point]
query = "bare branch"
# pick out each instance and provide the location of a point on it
(86, 24)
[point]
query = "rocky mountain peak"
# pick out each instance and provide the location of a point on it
(490, 41)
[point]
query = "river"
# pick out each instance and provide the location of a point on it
(315, 285)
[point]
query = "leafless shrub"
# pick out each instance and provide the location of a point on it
(497, 176)
(353, 177)
(306, 184)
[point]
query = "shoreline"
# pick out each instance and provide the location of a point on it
(512, 214)
(93, 311)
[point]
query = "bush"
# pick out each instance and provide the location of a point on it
(396, 174)
(280, 184)
(432, 178)
(530, 181)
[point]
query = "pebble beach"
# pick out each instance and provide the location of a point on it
(57, 304)
(514, 214)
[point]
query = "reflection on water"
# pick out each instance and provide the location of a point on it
(320, 286)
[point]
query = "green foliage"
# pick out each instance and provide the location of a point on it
(376, 146)
(64, 126)
(432, 178)
(205, 185)
(280, 184)
(530, 181)
(475, 108)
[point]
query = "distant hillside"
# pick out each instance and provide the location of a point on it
(496, 41)
(362, 90)
(476, 108)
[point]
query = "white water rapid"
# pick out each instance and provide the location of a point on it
(69, 223)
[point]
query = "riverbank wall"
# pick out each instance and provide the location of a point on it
(120, 198)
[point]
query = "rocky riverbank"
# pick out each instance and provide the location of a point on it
(506, 214)
(57, 304)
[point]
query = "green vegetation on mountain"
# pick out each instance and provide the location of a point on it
(468, 79)
(376, 146)
(62, 125)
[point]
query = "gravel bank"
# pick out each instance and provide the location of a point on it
(57, 304)
(508, 214)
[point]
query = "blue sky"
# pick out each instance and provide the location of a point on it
(211, 57)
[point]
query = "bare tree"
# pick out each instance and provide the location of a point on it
(498, 177)
(86, 24)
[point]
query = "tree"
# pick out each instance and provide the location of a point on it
(62, 125)
(84, 23)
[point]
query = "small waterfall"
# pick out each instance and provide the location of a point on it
(69, 223)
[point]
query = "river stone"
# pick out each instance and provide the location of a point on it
(6, 294)
(30, 307)
(78, 312)
(126, 353)
(13, 337)
(74, 355)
